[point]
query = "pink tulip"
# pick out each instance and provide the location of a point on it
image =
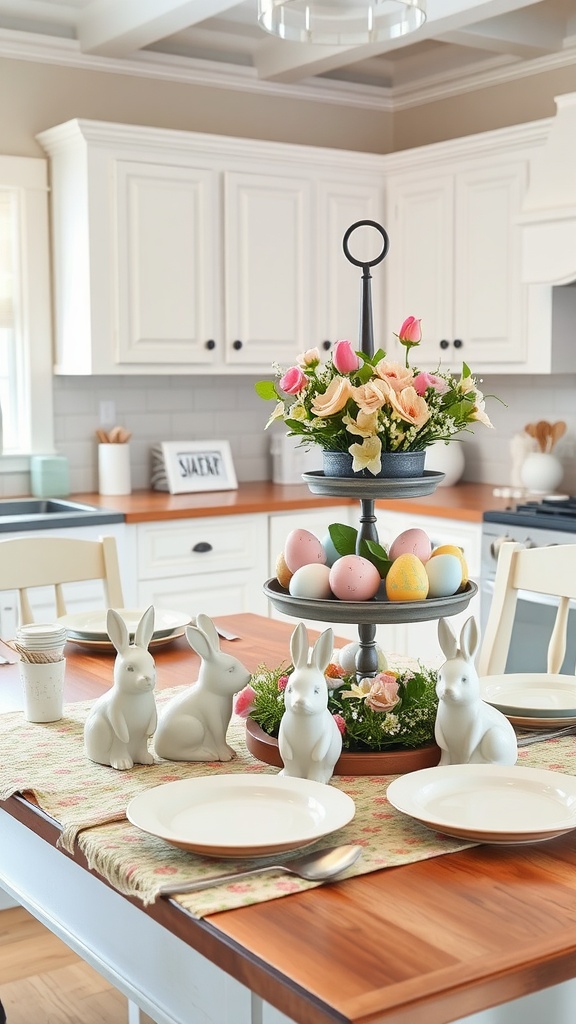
(344, 357)
(410, 331)
(293, 381)
(244, 702)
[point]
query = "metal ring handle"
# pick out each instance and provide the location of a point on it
(370, 224)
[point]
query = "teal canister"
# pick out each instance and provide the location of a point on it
(49, 476)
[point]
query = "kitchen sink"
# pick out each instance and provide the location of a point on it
(51, 513)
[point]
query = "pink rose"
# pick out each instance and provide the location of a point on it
(282, 682)
(340, 723)
(383, 694)
(344, 357)
(410, 406)
(372, 396)
(397, 376)
(293, 380)
(244, 702)
(423, 381)
(410, 332)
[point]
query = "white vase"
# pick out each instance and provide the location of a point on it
(541, 472)
(114, 469)
(447, 459)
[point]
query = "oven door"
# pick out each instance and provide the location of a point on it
(533, 625)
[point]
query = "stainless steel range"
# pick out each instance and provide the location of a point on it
(534, 524)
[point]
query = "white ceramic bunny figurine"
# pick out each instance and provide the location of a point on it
(122, 719)
(193, 725)
(309, 740)
(468, 731)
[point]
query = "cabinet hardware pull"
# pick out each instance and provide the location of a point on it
(444, 343)
(237, 344)
(326, 345)
(202, 546)
(211, 344)
(458, 343)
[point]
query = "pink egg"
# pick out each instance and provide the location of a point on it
(411, 542)
(353, 578)
(303, 548)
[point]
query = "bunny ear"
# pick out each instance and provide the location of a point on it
(145, 629)
(208, 627)
(199, 642)
(117, 631)
(469, 639)
(447, 639)
(322, 650)
(299, 646)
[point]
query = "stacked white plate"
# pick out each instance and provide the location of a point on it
(43, 638)
(532, 700)
(88, 629)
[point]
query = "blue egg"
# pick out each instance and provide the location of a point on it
(331, 553)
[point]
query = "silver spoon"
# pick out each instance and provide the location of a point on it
(315, 867)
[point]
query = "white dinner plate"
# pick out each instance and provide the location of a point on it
(107, 645)
(488, 803)
(241, 815)
(92, 625)
(531, 695)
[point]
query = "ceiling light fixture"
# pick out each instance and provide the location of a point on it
(341, 22)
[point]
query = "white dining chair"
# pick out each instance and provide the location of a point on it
(549, 571)
(46, 561)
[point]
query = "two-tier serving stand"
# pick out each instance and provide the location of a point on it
(367, 488)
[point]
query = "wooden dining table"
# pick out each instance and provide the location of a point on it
(425, 943)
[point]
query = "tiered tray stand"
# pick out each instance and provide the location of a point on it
(369, 614)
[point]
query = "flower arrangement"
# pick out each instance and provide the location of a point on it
(368, 405)
(392, 711)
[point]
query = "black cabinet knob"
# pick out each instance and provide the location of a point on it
(326, 345)
(210, 344)
(458, 343)
(444, 343)
(237, 344)
(202, 546)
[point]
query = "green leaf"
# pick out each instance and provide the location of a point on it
(266, 389)
(380, 354)
(466, 371)
(376, 554)
(343, 538)
(364, 373)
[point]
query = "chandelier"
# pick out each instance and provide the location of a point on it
(341, 22)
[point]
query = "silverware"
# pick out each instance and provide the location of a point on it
(225, 634)
(538, 737)
(315, 867)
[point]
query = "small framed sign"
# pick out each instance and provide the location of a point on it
(198, 466)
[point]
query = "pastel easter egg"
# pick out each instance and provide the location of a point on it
(354, 578)
(311, 582)
(303, 548)
(444, 575)
(411, 542)
(407, 579)
(283, 574)
(453, 549)
(330, 550)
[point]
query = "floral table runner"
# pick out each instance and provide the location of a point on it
(89, 801)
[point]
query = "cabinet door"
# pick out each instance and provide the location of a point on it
(166, 289)
(420, 264)
(489, 315)
(341, 204)
(269, 245)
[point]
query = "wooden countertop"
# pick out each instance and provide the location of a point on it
(427, 942)
(465, 501)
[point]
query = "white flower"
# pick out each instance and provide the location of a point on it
(366, 455)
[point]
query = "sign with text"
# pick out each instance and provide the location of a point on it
(198, 466)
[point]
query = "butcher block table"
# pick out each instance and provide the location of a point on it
(425, 943)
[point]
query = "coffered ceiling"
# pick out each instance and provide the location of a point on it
(464, 43)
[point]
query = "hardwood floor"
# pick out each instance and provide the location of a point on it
(44, 982)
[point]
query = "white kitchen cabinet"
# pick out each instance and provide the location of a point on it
(215, 565)
(420, 639)
(184, 252)
(456, 262)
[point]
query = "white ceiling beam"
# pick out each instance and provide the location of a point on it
(532, 37)
(291, 62)
(113, 29)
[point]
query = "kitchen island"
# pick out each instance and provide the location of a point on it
(425, 943)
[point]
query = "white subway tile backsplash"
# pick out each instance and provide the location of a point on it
(186, 407)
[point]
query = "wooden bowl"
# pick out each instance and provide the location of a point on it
(387, 762)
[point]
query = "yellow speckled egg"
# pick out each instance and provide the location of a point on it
(453, 549)
(407, 579)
